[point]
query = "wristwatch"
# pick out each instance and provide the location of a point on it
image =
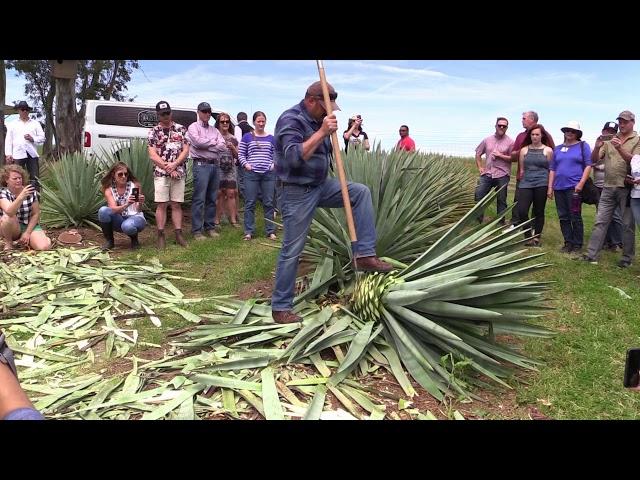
(6, 355)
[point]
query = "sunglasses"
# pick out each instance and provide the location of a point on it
(23, 109)
(332, 96)
(164, 114)
(502, 126)
(206, 111)
(224, 121)
(121, 174)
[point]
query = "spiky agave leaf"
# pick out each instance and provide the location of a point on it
(415, 198)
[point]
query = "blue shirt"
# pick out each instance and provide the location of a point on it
(569, 165)
(294, 127)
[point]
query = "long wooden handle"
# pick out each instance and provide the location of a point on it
(337, 155)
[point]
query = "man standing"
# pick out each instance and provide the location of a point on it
(497, 168)
(20, 143)
(241, 128)
(168, 150)
(617, 154)
(405, 142)
(303, 154)
(613, 240)
(206, 146)
(529, 119)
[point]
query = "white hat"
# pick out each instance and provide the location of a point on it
(572, 125)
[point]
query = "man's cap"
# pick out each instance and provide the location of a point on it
(611, 126)
(163, 106)
(315, 90)
(241, 116)
(203, 106)
(627, 115)
(23, 104)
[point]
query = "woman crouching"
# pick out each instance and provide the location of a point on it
(20, 210)
(123, 212)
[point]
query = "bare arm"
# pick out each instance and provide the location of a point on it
(523, 152)
(12, 397)
(111, 202)
(585, 175)
(11, 208)
(479, 163)
(365, 144)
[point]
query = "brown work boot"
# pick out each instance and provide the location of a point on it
(285, 316)
(372, 264)
(161, 240)
(179, 238)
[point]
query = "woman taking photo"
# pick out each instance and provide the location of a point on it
(256, 154)
(568, 172)
(534, 160)
(123, 212)
(228, 190)
(354, 135)
(20, 210)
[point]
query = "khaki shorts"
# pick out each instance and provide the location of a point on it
(169, 189)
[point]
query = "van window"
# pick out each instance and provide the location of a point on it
(130, 116)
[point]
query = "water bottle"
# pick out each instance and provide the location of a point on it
(576, 203)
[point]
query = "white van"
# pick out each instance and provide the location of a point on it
(109, 123)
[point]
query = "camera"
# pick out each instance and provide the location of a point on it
(606, 137)
(632, 368)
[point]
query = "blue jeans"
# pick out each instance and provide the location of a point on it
(254, 183)
(128, 225)
(485, 184)
(570, 223)
(205, 187)
(298, 206)
(635, 208)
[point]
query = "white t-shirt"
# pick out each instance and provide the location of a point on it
(635, 172)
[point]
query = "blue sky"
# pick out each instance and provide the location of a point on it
(449, 106)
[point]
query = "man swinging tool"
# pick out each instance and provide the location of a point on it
(303, 148)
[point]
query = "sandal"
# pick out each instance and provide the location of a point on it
(247, 237)
(272, 236)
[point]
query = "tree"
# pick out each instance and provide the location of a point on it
(96, 79)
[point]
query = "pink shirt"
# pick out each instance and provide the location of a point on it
(496, 167)
(206, 142)
(406, 143)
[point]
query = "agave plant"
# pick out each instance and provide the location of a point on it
(416, 197)
(71, 192)
(135, 154)
(445, 309)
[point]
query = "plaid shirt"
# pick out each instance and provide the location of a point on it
(168, 147)
(24, 212)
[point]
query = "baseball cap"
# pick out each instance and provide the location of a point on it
(315, 90)
(611, 126)
(627, 115)
(203, 106)
(163, 106)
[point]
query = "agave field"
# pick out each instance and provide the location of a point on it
(437, 323)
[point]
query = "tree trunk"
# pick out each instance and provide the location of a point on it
(68, 137)
(3, 95)
(49, 127)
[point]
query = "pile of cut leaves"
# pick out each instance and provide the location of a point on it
(65, 311)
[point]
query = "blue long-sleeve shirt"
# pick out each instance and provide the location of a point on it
(294, 127)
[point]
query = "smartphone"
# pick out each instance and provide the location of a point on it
(606, 137)
(632, 368)
(136, 193)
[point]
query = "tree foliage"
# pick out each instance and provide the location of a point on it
(96, 79)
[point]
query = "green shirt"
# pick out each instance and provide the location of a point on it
(616, 168)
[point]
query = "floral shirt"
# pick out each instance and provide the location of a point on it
(168, 143)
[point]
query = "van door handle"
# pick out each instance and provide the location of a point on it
(102, 135)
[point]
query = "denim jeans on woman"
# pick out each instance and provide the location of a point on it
(265, 184)
(298, 206)
(570, 223)
(128, 225)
